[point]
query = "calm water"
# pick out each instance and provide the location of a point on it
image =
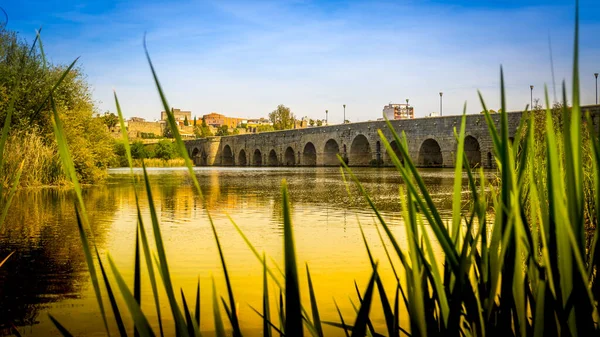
(48, 274)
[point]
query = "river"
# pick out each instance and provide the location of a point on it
(47, 273)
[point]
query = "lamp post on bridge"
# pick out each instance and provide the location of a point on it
(441, 93)
(531, 98)
(596, 76)
(345, 113)
(326, 119)
(407, 107)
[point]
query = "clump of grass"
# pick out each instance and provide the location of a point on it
(155, 162)
(522, 274)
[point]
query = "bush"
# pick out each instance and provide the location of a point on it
(139, 150)
(165, 150)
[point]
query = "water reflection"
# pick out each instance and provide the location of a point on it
(47, 273)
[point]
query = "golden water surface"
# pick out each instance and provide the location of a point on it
(47, 273)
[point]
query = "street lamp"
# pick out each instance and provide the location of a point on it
(326, 120)
(406, 107)
(596, 76)
(531, 98)
(345, 112)
(441, 93)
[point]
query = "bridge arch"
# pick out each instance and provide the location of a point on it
(257, 158)
(242, 161)
(396, 148)
(227, 156)
(273, 161)
(430, 154)
(330, 153)
(473, 151)
(195, 153)
(360, 151)
(289, 158)
(309, 155)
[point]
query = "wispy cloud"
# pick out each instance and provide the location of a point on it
(243, 58)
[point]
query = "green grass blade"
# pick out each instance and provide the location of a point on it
(314, 307)
(267, 312)
(457, 195)
(341, 319)
(162, 260)
(197, 309)
(193, 329)
(63, 331)
(269, 324)
(111, 298)
(137, 285)
(293, 321)
(360, 325)
(140, 320)
(234, 319)
(219, 329)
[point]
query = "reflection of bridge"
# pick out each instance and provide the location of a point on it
(431, 143)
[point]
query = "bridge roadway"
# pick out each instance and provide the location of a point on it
(431, 143)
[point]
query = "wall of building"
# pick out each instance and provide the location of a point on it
(135, 129)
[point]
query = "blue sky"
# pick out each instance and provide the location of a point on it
(243, 58)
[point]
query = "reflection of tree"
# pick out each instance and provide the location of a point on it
(48, 264)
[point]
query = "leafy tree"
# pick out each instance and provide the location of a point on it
(223, 131)
(139, 150)
(282, 118)
(243, 125)
(236, 131)
(319, 122)
(90, 143)
(185, 121)
(203, 130)
(167, 132)
(110, 120)
(165, 150)
(194, 120)
(311, 122)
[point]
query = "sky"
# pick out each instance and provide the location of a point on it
(243, 58)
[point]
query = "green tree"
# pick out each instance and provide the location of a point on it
(223, 131)
(311, 122)
(319, 122)
(165, 150)
(185, 121)
(282, 118)
(139, 150)
(264, 128)
(203, 130)
(90, 143)
(110, 120)
(194, 120)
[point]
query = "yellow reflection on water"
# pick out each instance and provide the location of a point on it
(324, 216)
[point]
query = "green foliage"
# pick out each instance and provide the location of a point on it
(319, 122)
(165, 150)
(110, 120)
(186, 122)
(31, 121)
(264, 128)
(311, 122)
(194, 120)
(203, 130)
(223, 130)
(282, 118)
(139, 150)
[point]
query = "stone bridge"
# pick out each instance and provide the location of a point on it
(431, 143)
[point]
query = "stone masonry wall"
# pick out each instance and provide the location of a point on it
(358, 143)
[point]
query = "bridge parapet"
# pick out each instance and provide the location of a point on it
(431, 143)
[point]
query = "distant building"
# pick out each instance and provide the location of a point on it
(398, 111)
(218, 120)
(179, 115)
